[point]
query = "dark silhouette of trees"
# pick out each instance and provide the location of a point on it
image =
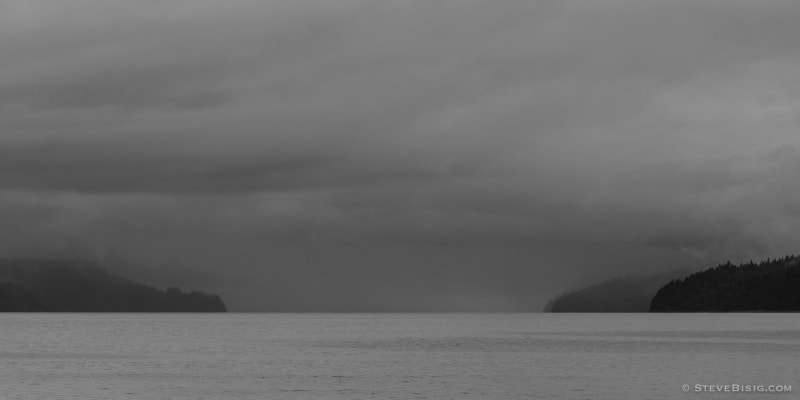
(772, 285)
(78, 286)
(630, 294)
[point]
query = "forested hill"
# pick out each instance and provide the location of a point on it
(78, 286)
(630, 294)
(772, 285)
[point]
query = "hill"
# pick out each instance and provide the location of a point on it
(78, 286)
(630, 294)
(772, 285)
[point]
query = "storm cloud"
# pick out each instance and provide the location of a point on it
(398, 155)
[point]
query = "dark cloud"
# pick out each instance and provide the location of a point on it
(398, 155)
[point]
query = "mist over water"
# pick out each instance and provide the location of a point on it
(423, 156)
(355, 155)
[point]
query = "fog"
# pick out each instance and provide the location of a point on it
(398, 155)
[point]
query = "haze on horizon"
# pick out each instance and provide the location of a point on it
(398, 155)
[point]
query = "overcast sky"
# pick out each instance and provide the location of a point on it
(399, 155)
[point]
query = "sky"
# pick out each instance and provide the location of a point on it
(415, 155)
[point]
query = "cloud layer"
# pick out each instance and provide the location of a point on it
(370, 155)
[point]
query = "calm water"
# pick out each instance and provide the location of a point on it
(395, 356)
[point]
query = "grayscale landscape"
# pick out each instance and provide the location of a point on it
(409, 199)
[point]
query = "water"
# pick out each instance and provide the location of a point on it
(395, 356)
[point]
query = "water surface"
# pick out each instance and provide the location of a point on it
(395, 356)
